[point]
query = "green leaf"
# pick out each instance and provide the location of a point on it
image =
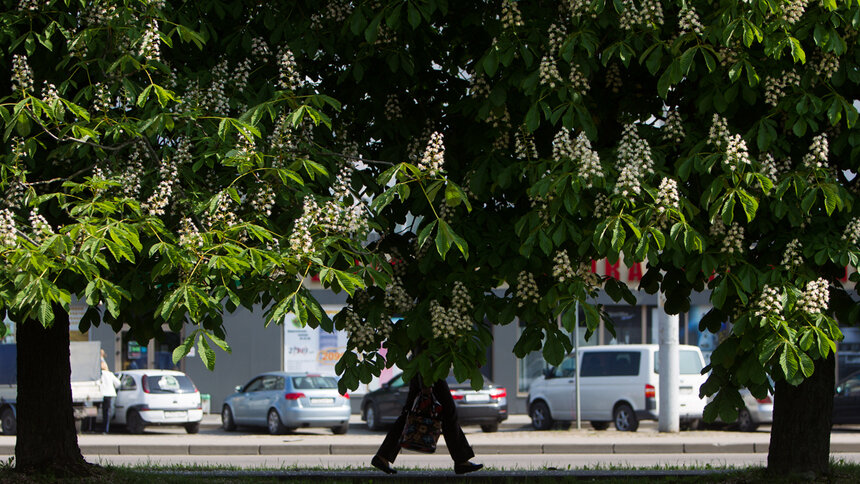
(444, 238)
(207, 355)
(182, 350)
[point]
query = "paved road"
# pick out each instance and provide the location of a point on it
(514, 447)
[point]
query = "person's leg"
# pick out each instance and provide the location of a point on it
(455, 439)
(106, 404)
(390, 446)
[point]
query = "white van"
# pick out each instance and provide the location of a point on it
(618, 383)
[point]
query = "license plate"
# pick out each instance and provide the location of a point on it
(174, 414)
(479, 398)
(686, 390)
(322, 401)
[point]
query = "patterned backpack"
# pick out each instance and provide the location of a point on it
(423, 423)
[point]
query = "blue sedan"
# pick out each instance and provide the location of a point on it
(283, 402)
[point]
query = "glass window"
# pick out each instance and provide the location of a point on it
(627, 321)
(566, 369)
(311, 382)
(396, 382)
(167, 384)
(127, 383)
(255, 386)
(610, 363)
(689, 362)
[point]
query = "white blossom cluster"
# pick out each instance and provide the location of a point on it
(524, 146)
(562, 144)
(392, 108)
(189, 235)
(129, 179)
(336, 11)
(8, 232)
(31, 5)
(613, 78)
(561, 268)
(414, 149)
(301, 241)
(828, 65)
(648, 13)
(601, 206)
(792, 256)
(263, 199)
(634, 162)
(434, 155)
(734, 241)
(282, 142)
(364, 337)
(150, 43)
(852, 231)
(689, 21)
(461, 301)
(288, 73)
(728, 56)
(549, 75)
(385, 35)
(737, 154)
(41, 227)
(556, 34)
(667, 195)
(98, 12)
(719, 132)
(815, 298)
(102, 99)
(578, 81)
(49, 93)
(527, 289)
(22, 75)
(260, 48)
(768, 166)
(397, 300)
(224, 213)
(769, 302)
(590, 168)
(585, 273)
(503, 124)
(241, 75)
(511, 16)
(818, 153)
(718, 228)
(793, 10)
(577, 7)
(674, 127)
(215, 98)
(338, 218)
(343, 181)
(447, 322)
(478, 87)
(774, 87)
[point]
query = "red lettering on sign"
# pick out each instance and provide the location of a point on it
(635, 272)
(612, 270)
(844, 277)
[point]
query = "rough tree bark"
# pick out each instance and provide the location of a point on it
(802, 417)
(47, 441)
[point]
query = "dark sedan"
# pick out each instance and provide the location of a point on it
(846, 401)
(486, 407)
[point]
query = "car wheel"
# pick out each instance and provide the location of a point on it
(541, 418)
(8, 422)
(273, 423)
(227, 422)
(340, 429)
(192, 427)
(134, 422)
(625, 419)
(745, 421)
(371, 416)
(493, 427)
(597, 425)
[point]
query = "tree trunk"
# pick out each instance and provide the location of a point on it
(802, 416)
(47, 441)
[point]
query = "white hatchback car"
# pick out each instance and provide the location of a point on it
(157, 397)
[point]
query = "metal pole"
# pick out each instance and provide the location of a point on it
(670, 372)
(576, 367)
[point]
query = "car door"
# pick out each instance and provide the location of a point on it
(391, 401)
(126, 396)
(559, 389)
(846, 401)
(241, 402)
(262, 399)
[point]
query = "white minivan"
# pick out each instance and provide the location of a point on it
(618, 383)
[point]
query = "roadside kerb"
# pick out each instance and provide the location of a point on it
(508, 449)
(151, 450)
(718, 448)
(577, 448)
(648, 448)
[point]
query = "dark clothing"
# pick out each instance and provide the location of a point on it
(106, 414)
(455, 439)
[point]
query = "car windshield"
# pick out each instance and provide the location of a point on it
(167, 384)
(689, 362)
(314, 382)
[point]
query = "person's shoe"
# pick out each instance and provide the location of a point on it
(464, 467)
(382, 465)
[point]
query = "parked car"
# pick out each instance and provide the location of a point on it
(283, 402)
(618, 383)
(756, 411)
(157, 397)
(486, 407)
(846, 400)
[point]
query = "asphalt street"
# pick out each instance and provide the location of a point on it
(514, 447)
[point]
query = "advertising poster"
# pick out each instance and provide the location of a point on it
(312, 350)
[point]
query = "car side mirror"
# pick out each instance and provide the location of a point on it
(547, 372)
(839, 390)
(238, 388)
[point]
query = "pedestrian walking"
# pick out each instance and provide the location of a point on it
(459, 448)
(109, 383)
